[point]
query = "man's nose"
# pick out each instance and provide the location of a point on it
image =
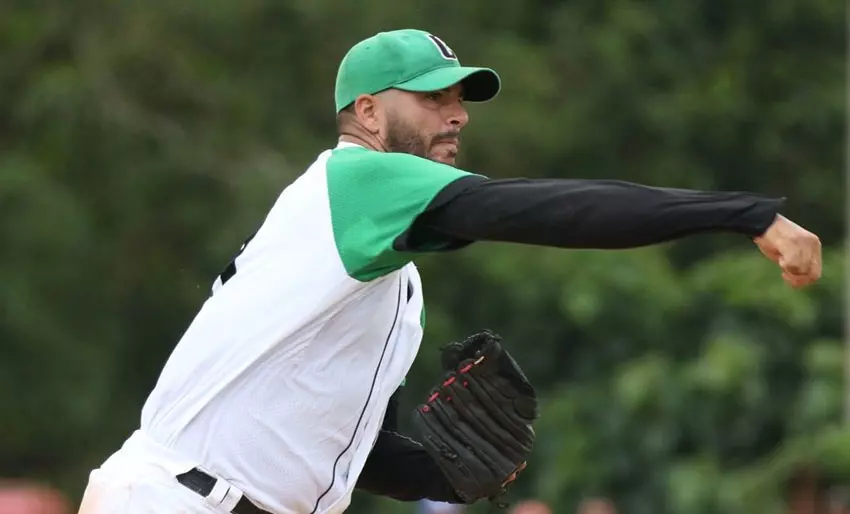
(458, 117)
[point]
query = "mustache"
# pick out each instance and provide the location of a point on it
(453, 136)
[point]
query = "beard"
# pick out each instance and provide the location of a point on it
(403, 137)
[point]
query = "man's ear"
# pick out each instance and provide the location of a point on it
(369, 112)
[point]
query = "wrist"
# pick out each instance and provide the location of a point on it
(761, 218)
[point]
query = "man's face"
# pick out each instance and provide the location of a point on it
(425, 124)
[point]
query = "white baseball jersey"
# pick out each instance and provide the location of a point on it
(281, 382)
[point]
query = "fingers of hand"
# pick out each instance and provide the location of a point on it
(796, 281)
(768, 249)
(801, 260)
(796, 250)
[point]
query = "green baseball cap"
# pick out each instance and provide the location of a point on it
(410, 60)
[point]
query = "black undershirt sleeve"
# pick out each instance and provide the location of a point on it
(399, 467)
(575, 213)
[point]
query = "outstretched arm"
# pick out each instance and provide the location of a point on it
(387, 206)
(608, 214)
(601, 214)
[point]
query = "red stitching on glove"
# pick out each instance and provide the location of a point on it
(470, 366)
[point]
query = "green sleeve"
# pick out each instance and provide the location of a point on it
(374, 198)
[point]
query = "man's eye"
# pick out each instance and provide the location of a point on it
(433, 96)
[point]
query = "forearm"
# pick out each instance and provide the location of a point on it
(603, 214)
(399, 468)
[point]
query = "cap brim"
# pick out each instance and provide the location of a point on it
(479, 84)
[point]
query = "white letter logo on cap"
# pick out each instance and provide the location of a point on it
(444, 49)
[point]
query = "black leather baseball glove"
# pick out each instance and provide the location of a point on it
(477, 424)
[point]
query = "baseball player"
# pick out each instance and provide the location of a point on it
(278, 396)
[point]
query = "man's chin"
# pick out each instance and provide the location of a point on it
(449, 160)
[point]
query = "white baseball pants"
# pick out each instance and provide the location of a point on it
(140, 479)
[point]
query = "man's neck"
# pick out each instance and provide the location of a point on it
(355, 141)
(365, 140)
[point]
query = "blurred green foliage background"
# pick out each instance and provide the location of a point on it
(141, 141)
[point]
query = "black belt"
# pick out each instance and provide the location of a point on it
(202, 483)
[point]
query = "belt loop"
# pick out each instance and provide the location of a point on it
(218, 493)
(231, 498)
